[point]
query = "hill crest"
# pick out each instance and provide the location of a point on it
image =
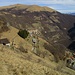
(31, 8)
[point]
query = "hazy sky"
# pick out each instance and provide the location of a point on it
(63, 6)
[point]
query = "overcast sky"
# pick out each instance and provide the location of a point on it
(63, 6)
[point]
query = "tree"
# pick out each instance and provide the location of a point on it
(23, 33)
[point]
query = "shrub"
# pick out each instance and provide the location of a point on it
(23, 50)
(36, 51)
(57, 50)
(60, 66)
(23, 33)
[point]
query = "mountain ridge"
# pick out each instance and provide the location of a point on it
(30, 8)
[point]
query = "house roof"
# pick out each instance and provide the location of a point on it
(5, 40)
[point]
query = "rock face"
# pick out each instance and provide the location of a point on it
(51, 25)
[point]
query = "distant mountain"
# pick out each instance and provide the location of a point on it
(72, 14)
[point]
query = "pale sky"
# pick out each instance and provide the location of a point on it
(64, 6)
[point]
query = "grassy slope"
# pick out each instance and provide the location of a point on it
(15, 62)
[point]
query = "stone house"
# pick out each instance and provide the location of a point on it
(5, 41)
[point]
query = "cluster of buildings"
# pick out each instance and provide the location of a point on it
(70, 61)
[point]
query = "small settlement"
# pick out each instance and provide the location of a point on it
(5, 41)
(70, 61)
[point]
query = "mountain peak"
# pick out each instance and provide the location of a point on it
(30, 8)
(39, 8)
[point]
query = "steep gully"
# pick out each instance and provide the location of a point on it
(71, 34)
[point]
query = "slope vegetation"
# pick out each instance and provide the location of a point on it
(15, 62)
(47, 27)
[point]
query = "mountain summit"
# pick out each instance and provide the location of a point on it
(30, 8)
